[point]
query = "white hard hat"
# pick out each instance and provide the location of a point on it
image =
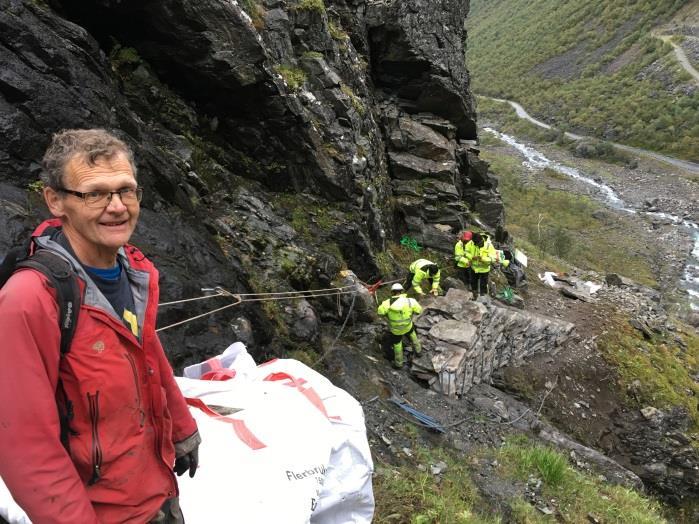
(396, 287)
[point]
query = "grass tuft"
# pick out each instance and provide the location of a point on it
(294, 77)
(311, 5)
(408, 494)
(576, 496)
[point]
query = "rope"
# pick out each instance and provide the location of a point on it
(337, 337)
(380, 283)
(219, 292)
(294, 297)
(199, 316)
(295, 292)
(261, 297)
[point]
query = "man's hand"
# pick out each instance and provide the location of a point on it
(190, 461)
(435, 292)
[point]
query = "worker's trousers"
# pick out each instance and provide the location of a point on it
(479, 283)
(397, 343)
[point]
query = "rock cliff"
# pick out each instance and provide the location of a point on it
(277, 141)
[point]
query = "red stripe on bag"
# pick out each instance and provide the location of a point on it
(239, 426)
(217, 371)
(308, 392)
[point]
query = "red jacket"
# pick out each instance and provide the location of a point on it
(127, 408)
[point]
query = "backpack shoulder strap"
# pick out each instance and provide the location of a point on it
(62, 278)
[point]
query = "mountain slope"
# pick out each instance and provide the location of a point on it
(596, 67)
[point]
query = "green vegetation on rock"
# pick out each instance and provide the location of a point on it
(293, 76)
(656, 372)
(354, 99)
(255, 11)
(313, 54)
(575, 496)
(410, 493)
(336, 32)
(123, 59)
(592, 67)
(311, 5)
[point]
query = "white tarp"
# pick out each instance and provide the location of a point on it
(521, 257)
(9, 510)
(293, 449)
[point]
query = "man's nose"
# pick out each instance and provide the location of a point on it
(115, 202)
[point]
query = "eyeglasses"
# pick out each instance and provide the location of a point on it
(103, 198)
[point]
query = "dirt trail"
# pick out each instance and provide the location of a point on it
(681, 56)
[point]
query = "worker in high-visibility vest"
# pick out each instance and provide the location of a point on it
(481, 254)
(423, 269)
(463, 265)
(399, 311)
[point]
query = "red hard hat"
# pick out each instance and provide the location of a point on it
(466, 236)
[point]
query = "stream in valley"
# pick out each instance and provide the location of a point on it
(537, 160)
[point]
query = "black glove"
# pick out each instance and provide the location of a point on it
(190, 461)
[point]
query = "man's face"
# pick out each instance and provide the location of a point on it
(96, 234)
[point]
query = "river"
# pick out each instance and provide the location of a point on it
(537, 160)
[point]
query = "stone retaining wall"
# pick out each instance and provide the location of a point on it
(465, 341)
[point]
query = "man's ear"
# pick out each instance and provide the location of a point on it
(54, 202)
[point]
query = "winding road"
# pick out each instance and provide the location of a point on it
(691, 167)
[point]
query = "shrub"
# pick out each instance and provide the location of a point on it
(124, 59)
(255, 11)
(311, 5)
(336, 32)
(293, 76)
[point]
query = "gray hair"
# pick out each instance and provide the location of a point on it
(89, 145)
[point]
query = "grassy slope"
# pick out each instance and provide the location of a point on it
(613, 79)
(410, 493)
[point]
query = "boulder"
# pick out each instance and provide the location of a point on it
(612, 279)
(302, 320)
(410, 166)
(454, 332)
(421, 141)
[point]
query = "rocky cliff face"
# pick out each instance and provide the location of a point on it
(277, 141)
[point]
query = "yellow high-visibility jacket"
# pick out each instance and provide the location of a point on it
(419, 274)
(399, 311)
(460, 258)
(480, 258)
